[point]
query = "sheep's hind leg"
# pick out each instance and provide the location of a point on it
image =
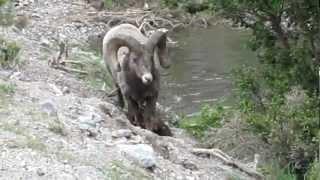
(152, 121)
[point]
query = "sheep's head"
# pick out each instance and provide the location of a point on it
(138, 58)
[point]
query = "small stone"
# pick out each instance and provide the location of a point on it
(189, 165)
(65, 90)
(49, 107)
(90, 119)
(44, 42)
(21, 21)
(141, 154)
(92, 132)
(15, 75)
(40, 172)
(122, 133)
(97, 4)
(35, 15)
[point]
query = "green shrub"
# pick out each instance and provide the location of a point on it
(2, 2)
(274, 171)
(96, 74)
(314, 171)
(210, 116)
(6, 13)
(8, 54)
(286, 119)
(108, 3)
(287, 61)
(6, 89)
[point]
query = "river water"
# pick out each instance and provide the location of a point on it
(200, 68)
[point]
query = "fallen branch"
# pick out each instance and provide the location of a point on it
(71, 70)
(113, 92)
(228, 161)
(73, 62)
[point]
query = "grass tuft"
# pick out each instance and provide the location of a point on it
(57, 127)
(9, 52)
(209, 117)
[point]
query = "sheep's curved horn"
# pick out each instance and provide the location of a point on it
(122, 40)
(157, 42)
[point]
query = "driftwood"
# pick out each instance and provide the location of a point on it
(144, 19)
(228, 161)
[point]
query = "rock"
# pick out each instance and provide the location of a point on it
(122, 133)
(189, 165)
(40, 172)
(90, 119)
(88, 123)
(49, 108)
(97, 4)
(141, 154)
(44, 42)
(15, 75)
(65, 90)
(21, 21)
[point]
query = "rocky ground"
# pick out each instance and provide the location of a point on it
(55, 126)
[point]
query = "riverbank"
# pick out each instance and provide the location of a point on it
(56, 122)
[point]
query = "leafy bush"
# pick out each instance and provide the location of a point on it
(275, 172)
(6, 89)
(286, 119)
(314, 171)
(208, 117)
(6, 13)
(8, 53)
(2, 2)
(285, 35)
(96, 72)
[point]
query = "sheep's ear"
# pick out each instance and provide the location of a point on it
(126, 62)
(123, 58)
(158, 43)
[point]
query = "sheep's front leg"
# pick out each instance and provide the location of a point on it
(133, 111)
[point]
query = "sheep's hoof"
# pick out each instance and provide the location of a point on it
(159, 127)
(163, 130)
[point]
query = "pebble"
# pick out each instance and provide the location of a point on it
(49, 107)
(40, 172)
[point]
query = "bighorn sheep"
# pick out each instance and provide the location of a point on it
(131, 59)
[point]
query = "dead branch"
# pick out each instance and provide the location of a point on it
(113, 92)
(73, 62)
(59, 61)
(71, 70)
(228, 161)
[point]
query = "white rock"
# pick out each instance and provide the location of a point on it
(142, 154)
(122, 133)
(90, 119)
(49, 107)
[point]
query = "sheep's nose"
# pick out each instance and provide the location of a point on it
(147, 78)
